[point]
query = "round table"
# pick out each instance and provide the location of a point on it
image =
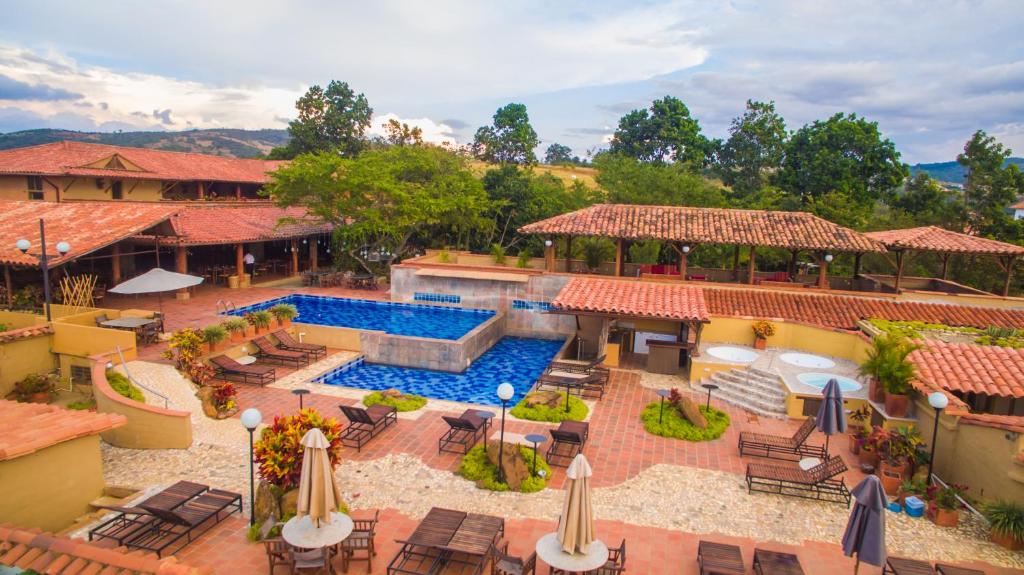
(535, 438)
(300, 392)
(809, 463)
(300, 532)
(710, 387)
(663, 394)
(246, 360)
(550, 551)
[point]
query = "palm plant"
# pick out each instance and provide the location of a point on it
(1006, 518)
(887, 363)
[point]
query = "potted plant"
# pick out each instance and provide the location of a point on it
(858, 431)
(896, 450)
(259, 319)
(1006, 521)
(868, 455)
(944, 504)
(912, 487)
(214, 334)
(185, 347)
(236, 327)
(762, 331)
(498, 254)
(284, 313)
(34, 388)
(890, 372)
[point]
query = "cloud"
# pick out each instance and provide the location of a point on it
(163, 115)
(456, 124)
(433, 132)
(11, 89)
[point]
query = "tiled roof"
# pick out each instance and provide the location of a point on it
(87, 226)
(1018, 206)
(790, 230)
(28, 427)
(25, 333)
(1014, 423)
(632, 298)
(79, 159)
(936, 239)
(41, 552)
(844, 312)
(969, 368)
(201, 225)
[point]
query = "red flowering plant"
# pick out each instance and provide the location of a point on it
(279, 451)
(946, 497)
(224, 397)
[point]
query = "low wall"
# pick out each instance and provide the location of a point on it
(427, 353)
(813, 339)
(22, 357)
(331, 336)
(85, 341)
(17, 319)
(149, 427)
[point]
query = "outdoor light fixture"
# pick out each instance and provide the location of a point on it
(251, 419)
(63, 248)
(829, 258)
(110, 365)
(505, 393)
(686, 249)
(23, 245)
(305, 240)
(547, 243)
(938, 401)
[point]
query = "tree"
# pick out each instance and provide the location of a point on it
(510, 140)
(754, 149)
(927, 203)
(845, 155)
(401, 134)
(991, 186)
(380, 201)
(557, 154)
(665, 132)
(331, 120)
(520, 196)
(630, 181)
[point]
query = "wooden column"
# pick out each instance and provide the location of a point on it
(856, 264)
(313, 255)
(240, 262)
(793, 255)
(181, 266)
(201, 190)
(822, 271)
(549, 256)
(752, 266)
(618, 257)
(735, 263)
(899, 269)
(295, 257)
(9, 285)
(945, 265)
(238, 191)
(1009, 275)
(568, 254)
(115, 264)
(682, 261)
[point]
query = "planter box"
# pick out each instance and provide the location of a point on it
(867, 457)
(896, 405)
(875, 391)
(945, 517)
(854, 444)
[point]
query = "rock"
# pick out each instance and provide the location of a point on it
(392, 393)
(267, 527)
(691, 412)
(205, 395)
(267, 504)
(548, 398)
(290, 503)
(512, 464)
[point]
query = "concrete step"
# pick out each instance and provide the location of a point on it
(769, 391)
(764, 409)
(756, 391)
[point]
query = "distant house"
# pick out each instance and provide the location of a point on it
(1018, 210)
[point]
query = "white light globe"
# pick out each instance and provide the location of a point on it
(506, 391)
(23, 245)
(63, 247)
(829, 258)
(686, 249)
(938, 400)
(547, 243)
(251, 418)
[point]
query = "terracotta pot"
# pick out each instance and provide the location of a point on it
(875, 391)
(945, 517)
(902, 469)
(854, 444)
(41, 397)
(284, 323)
(237, 336)
(1006, 541)
(760, 342)
(896, 404)
(891, 481)
(868, 457)
(250, 330)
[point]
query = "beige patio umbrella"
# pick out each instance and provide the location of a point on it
(318, 493)
(576, 525)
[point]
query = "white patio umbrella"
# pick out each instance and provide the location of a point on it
(318, 493)
(576, 525)
(156, 280)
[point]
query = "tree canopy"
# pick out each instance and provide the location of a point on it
(664, 133)
(557, 155)
(630, 181)
(991, 186)
(509, 140)
(754, 150)
(331, 120)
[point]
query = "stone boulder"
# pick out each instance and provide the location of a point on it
(548, 398)
(392, 393)
(691, 412)
(205, 395)
(267, 504)
(512, 463)
(290, 502)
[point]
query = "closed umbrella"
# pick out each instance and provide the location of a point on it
(318, 493)
(831, 418)
(156, 280)
(865, 531)
(576, 525)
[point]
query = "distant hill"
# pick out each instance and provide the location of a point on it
(218, 142)
(951, 171)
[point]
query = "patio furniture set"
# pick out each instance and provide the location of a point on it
(146, 329)
(287, 350)
(725, 559)
(339, 279)
(581, 378)
(357, 546)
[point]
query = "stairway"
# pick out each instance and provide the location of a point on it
(751, 389)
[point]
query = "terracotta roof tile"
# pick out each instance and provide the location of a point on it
(29, 427)
(1014, 423)
(47, 553)
(78, 159)
(25, 333)
(969, 368)
(1018, 206)
(936, 239)
(632, 298)
(201, 225)
(790, 230)
(87, 226)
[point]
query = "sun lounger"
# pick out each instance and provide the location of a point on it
(942, 569)
(791, 448)
(776, 563)
(568, 440)
(719, 559)
(463, 432)
(180, 526)
(131, 519)
(230, 370)
(901, 566)
(585, 385)
(817, 482)
(270, 352)
(365, 424)
(576, 365)
(286, 341)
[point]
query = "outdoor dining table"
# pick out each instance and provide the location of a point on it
(549, 550)
(447, 539)
(300, 531)
(132, 323)
(363, 281)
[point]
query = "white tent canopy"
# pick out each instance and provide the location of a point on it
(156, 280)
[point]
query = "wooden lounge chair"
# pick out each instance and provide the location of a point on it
(504, 564)
(130, 520)
(776, 563)
(230, 370)
(365, 424)
(590, 385)
(901, 566)
(270, 352)
(816, 483)
(577, 366)
(286, 341)
(778, 447)
(719, 559)
(360, 541)
(463, 432)
(568, 440)
(943, 569)
(186, 521)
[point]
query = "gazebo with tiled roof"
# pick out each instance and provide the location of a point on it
(946, 243)
(687, 227)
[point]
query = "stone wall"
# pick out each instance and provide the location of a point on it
(427, 353)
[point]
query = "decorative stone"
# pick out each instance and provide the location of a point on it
(267, 504)
(290, 503)
(392, 393)
(205, 395)
(691, 412)
(548, 398)
(512, 463)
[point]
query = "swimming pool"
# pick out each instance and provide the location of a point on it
(438, 322)
(820, 379)
(515, 360)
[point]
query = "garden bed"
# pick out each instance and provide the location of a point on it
(476, 467)
(552, 413)
(404, 402)
(674, 425)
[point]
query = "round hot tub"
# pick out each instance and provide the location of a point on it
(807, 360)
(819, 380)
(732, 354)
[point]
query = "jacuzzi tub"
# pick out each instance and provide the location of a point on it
(819, 380)
(732, 354)
(807, 360)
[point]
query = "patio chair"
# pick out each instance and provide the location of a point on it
(129, 520)
(360, 540)
(463, 432)
(942, 569)
(270, 352)
(278, 553)
(776, 563)
(902, 566)
(504, 564)
(315, 560)
(576, 366)
(790, 448)
(100, 319)
(159, 317)
(149, 333)
(590, 385)
(719, 559)
(365, 424)
(286, 341)
(567, 441)
(227, 369)
(818, 482)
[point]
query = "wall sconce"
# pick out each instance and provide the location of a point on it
(829, 258)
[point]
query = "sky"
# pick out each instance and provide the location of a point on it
(930, 73)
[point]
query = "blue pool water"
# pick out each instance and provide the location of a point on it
(820, 379)
(438, 322)
(517, 360)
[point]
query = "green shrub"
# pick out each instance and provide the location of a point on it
(260, 319)
(676, 426)
(235, 324)
(498, 254)
(121, 385)
(476, 467)
(443, 257)
(645, 252)
(577, 411)
(409, 402)
(1006, 518)
(82, 405)
(214, 334)
(524, 259)
(284, 311)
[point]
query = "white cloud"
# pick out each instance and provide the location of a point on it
(433, 132)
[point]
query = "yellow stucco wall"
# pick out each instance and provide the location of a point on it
(23, 357)
(820, 340)
(84, 340)
(149, 427)
(17, 319)
(51, 487)
(16, 188)
(336, 337)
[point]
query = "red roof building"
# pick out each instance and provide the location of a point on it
(632, 299)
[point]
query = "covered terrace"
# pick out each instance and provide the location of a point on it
(687, 228)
